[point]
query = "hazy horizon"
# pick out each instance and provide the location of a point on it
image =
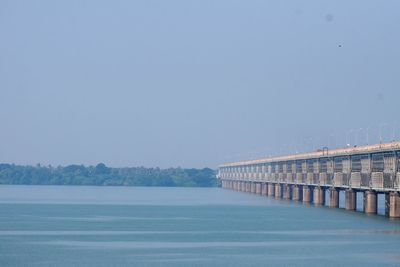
(194, 83)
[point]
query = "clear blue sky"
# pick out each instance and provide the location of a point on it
(193, 83)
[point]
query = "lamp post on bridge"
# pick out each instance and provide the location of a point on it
(380, 132)
(357, 131)
(334, 141)
(348, 141)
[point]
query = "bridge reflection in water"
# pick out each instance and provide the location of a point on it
(308, 177)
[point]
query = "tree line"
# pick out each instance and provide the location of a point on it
(102, 175)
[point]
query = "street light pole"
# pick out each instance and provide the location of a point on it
(380, 132)
(351, 131)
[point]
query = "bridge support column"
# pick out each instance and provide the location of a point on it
(392, 207)
(253, 187)
(243, 186)
(287, 191)
(271, 189)
(333, 197)
(307, 194)
(319, 196)
(278, 190)
(350, 202)
(248, 187)
(264, 189)
(296, 193)
(258, 188)
(370, 202)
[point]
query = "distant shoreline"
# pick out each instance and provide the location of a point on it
(101, 175)
(93, 185)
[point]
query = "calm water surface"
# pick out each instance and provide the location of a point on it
(136, 226)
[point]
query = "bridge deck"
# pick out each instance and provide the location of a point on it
(305, 177)
(375, 167)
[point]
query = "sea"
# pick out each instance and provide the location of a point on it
(160, 226)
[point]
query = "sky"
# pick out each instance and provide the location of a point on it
(194, 83)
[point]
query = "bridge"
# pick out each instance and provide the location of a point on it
(307, 177)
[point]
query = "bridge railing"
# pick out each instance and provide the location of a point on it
(376, 180)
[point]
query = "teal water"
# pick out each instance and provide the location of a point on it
(136, 226)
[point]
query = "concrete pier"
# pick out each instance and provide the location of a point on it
(333, 197)
(319, 196)
(258, 188)
(278, 190)
(253, 187)
(370, 202)
(287, 191)
(271, 189)
(392, 204)
(264, 189)
(307, 194)
(297, 193)
(350, 202)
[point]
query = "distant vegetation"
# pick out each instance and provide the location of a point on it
(103, 175)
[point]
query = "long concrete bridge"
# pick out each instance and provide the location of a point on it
(307, 177)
